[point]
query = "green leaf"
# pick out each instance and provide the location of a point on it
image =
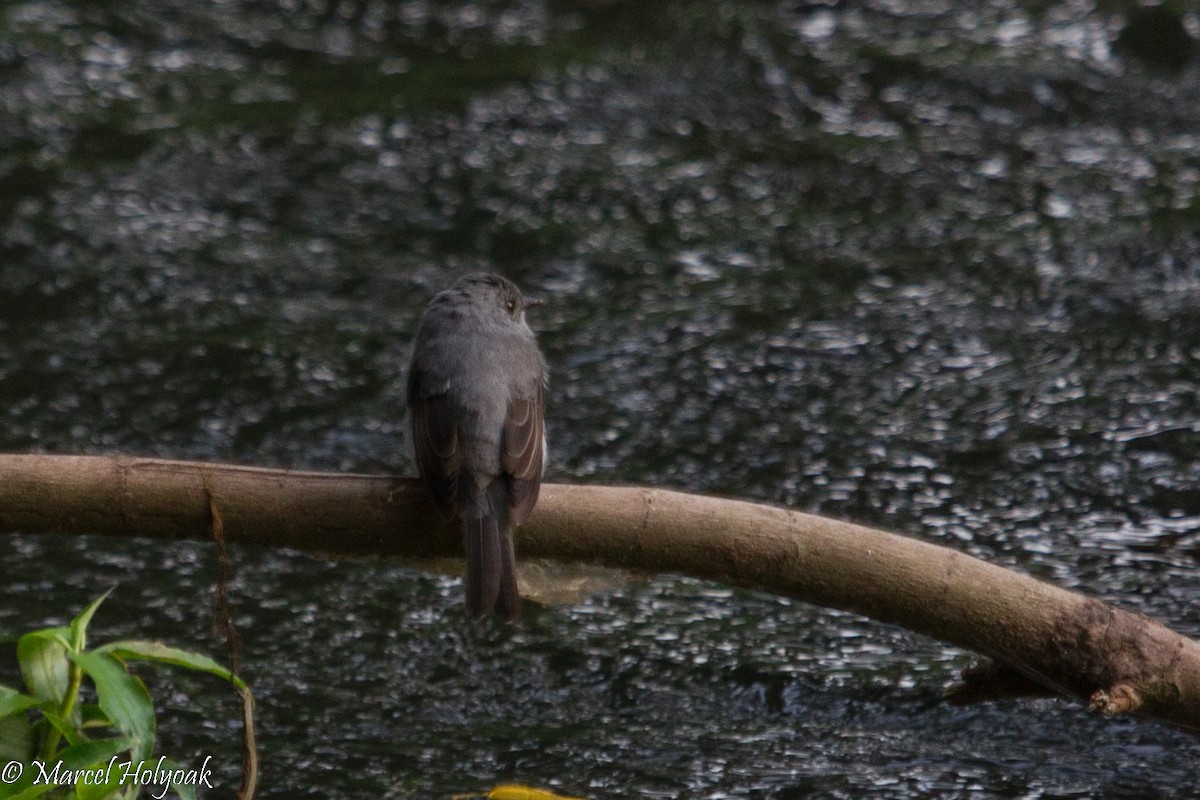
(79, 625)
(67, 729)
(86, 755)
(16, 731)
(22, 791)
(95, 791)
(123, 698)
(93, 717)
(14, 703)
(42, 656)
(164, 654)
(16, 739)
(95, 757)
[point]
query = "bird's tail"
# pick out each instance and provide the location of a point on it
(491, 579)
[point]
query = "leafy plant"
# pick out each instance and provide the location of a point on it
(54, 745)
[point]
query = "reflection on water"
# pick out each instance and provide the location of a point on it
(928, 268)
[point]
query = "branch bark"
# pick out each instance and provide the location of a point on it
(1042, 637)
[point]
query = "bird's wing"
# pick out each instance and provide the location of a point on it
(524, 433)
(435, 440)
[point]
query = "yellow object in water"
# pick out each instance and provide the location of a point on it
(512, 791)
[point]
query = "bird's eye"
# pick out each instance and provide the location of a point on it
(511, 305)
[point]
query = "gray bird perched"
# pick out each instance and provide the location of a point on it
(477, 394)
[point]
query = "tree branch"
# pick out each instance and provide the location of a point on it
(1113, 660)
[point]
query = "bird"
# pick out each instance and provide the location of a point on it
(477, 398)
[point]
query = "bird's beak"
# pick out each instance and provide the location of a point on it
(531, 302)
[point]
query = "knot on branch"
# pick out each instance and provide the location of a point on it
(1118, 699)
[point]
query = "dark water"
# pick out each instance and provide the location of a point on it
(926, 266)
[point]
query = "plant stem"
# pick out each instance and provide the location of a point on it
(65, 709)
